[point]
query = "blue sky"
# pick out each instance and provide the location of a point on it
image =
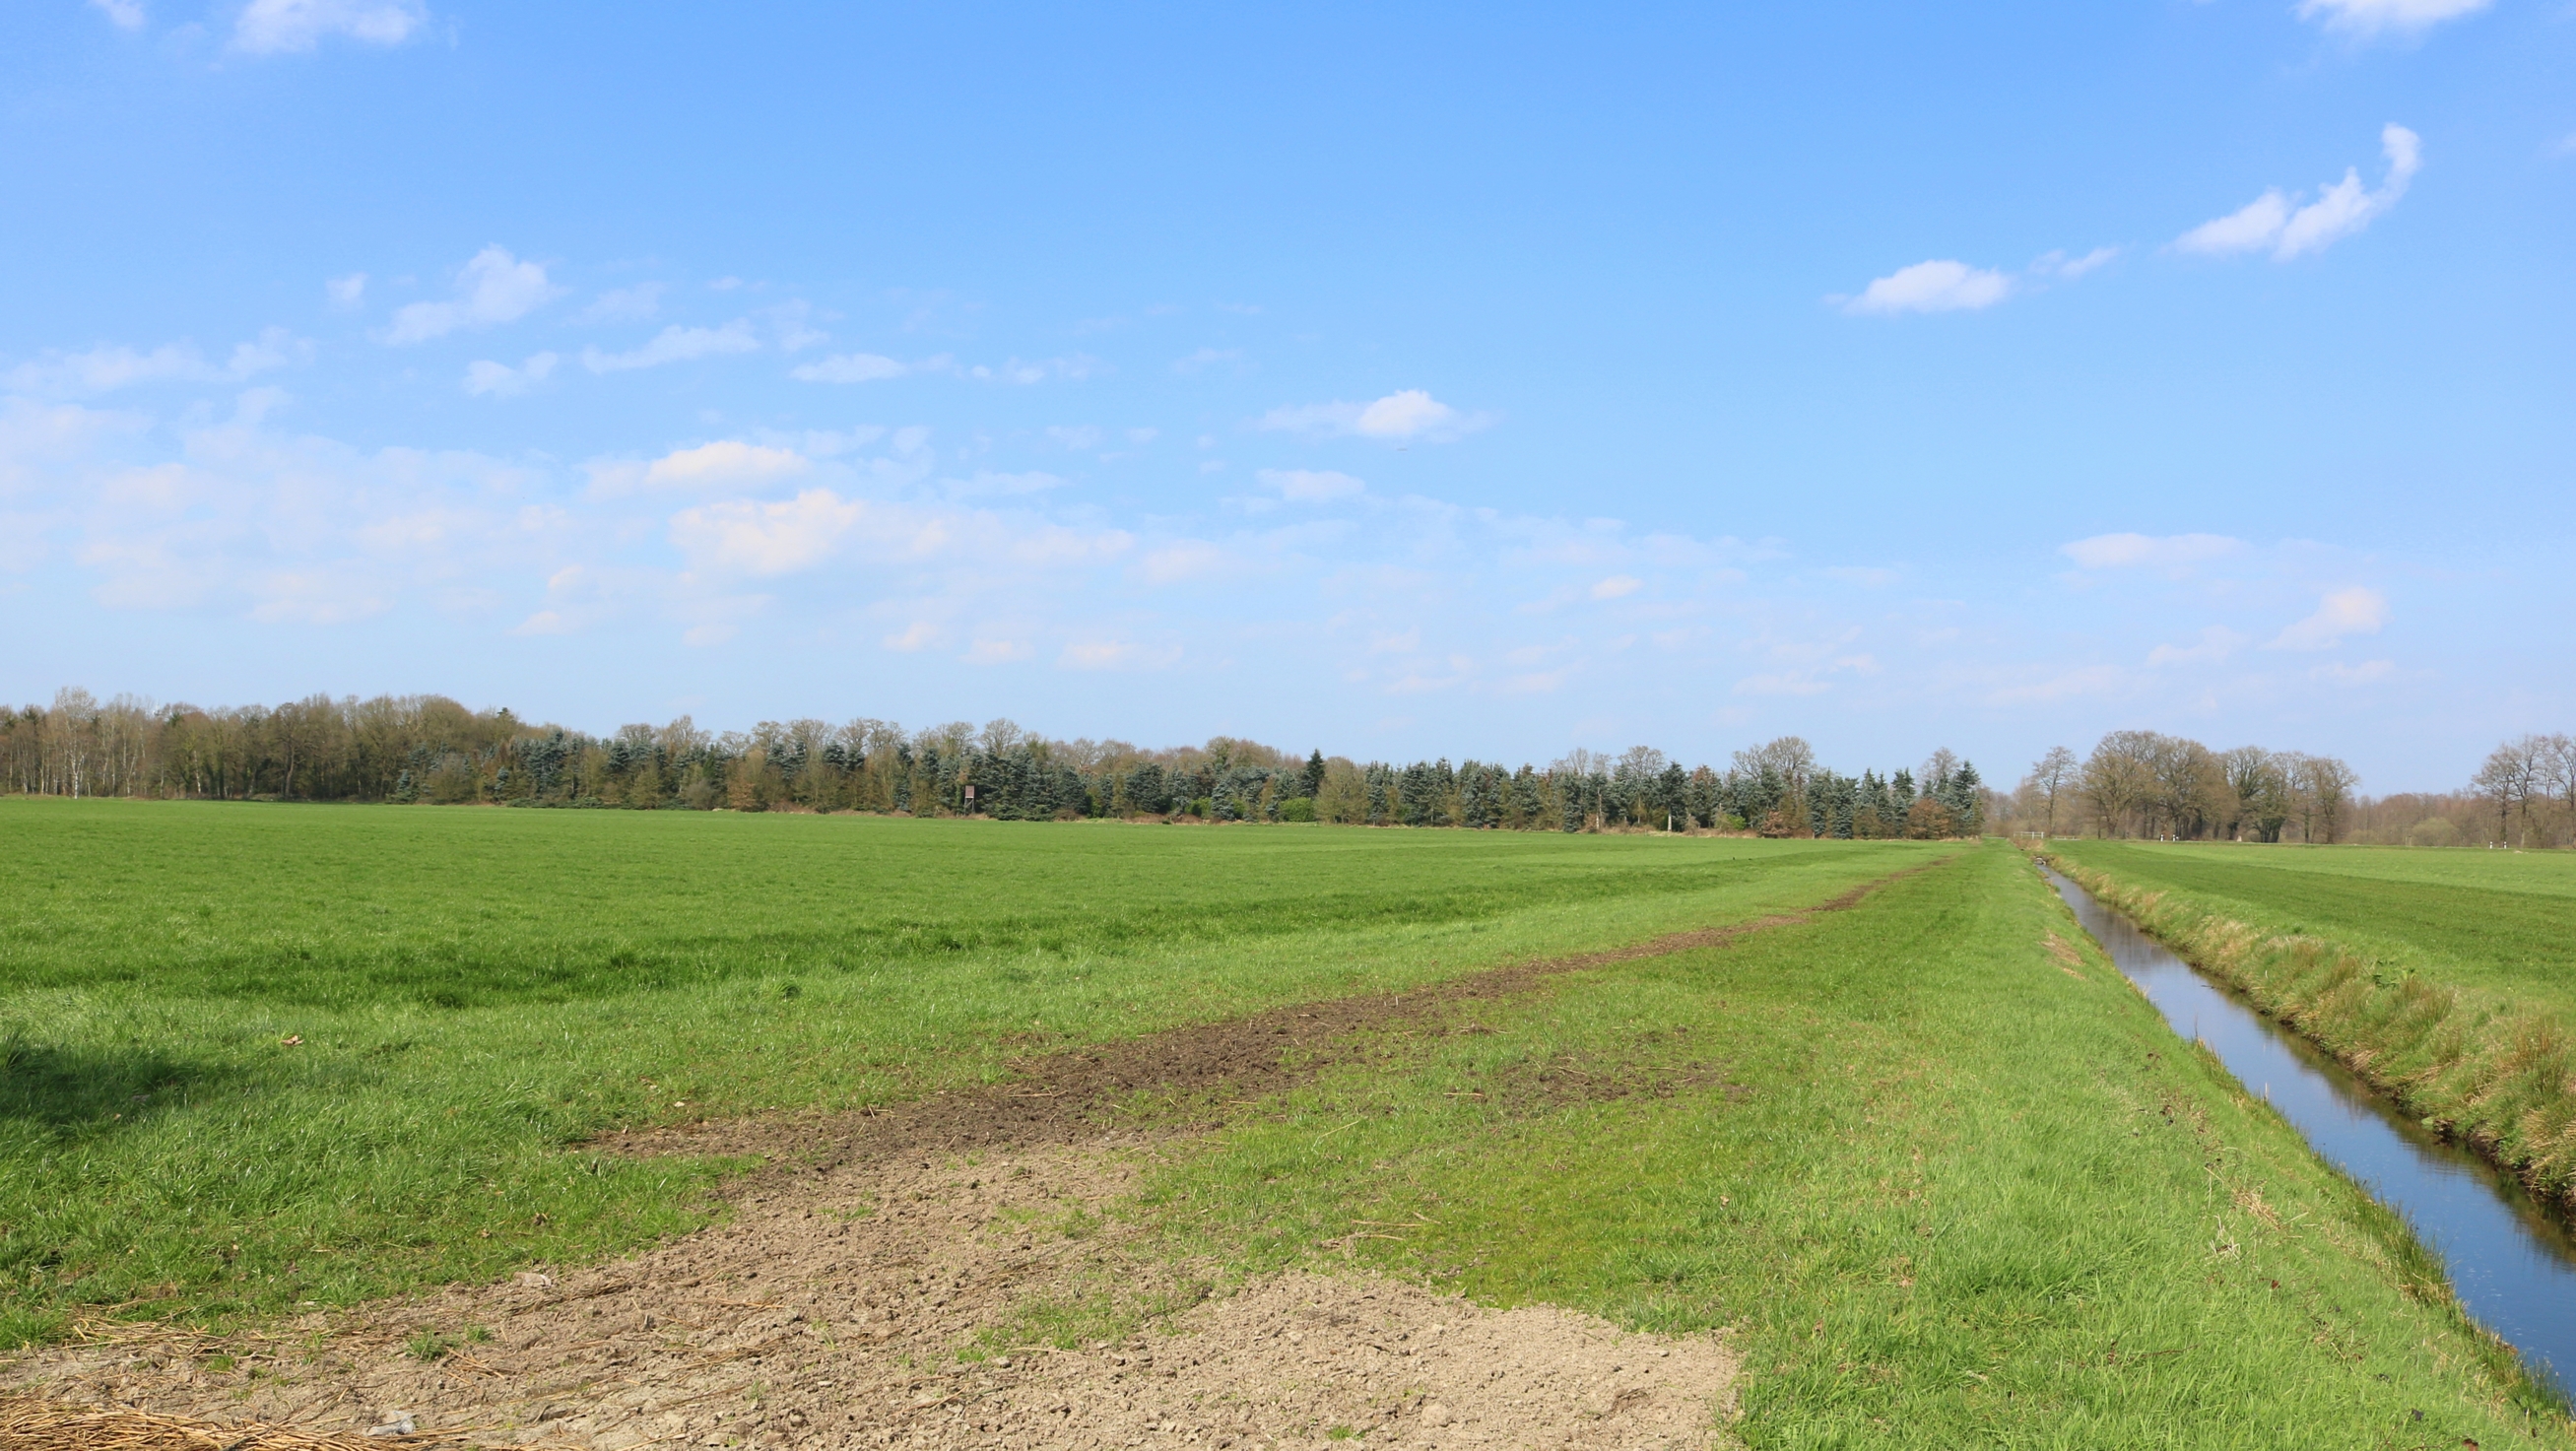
(1471, 381)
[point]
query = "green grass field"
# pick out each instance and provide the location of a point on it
(2447, 976)
(1950, 1184)
(1951, 1191)
(476, 989)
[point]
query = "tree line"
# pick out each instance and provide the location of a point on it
(2147, 784)
(431, 750)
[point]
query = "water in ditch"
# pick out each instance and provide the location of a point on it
(2513, 1263)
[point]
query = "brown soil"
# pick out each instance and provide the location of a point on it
(834, 1307)
(834, 1314)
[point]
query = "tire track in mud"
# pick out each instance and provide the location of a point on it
(1072, 1097)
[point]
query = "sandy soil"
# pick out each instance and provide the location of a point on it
(832, 1311)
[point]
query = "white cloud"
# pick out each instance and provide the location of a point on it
(1617, 586)
(2119, 551)
(638, 303)
(1935, 286)
(123, 14)
(2068, 685)
(2368, 18)
(1074, 368)
(2058, 264)
(919, 635)
(2216, 643)
(487, 379)
(1078, 436)
(766, 538)
(106, 369)
(2366, 673)
(1405, 415)
(727, 463)
(1188, 559)
(849, 368)
(1781, 685)
(347, 292)
(492, 288)
(1412, 413)
(676, 344)
(269, 26)
(1117, 655)
(1312, 486)
(988, 484)
(2355, 611)
(2270, 220)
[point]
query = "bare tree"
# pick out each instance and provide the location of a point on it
(1789, 756)
(2511, 773)
(2330, 784)
(2558, 761)
(2053, 774)
(2118, 779)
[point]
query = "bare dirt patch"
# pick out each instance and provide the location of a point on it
(1191, 1072)
(834, 1312)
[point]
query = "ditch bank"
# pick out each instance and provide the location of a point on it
(2501, 1083)
(2509, 1262)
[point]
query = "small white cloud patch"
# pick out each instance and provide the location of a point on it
(488, 379)
(2371, 17)
(849, 368)
(2271, 221)
(2354, 611)
(2123, 551)
(492, 288)
(1410, 414)
(1935, 286)
(123, 14)
(1312, 486)
(267, 27)
(676, 344)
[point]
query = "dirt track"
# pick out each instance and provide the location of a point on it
(875, 1248)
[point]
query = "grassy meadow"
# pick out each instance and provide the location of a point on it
(253, 1056)
(2446, 976)
(1947, 1177)
(1952, 1185)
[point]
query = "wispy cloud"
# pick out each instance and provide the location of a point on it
(639, 303)
(2354, 611)
(849, 368)
(106, 369)
(487, 379)
(676, 344)
(493, 287)
(2368, 18)
(727, 464)
(1935, 286)
(2131, 551)
(1410, 414)
(266, 27)
(123, 14)
(1312, 486)
(2277, 222)
(2216, 643)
